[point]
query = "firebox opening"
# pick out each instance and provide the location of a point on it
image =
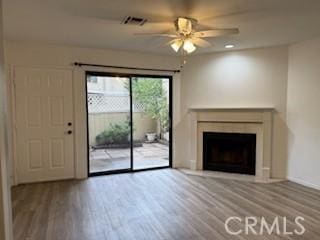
(229, 152)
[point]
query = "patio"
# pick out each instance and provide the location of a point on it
(150, 155)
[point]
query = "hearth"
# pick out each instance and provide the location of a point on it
(229, 152)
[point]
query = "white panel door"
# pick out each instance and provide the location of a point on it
(44, 124)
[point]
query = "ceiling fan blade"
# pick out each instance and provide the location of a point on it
(157, 35)
(217, 32)
(201, 43)
(248, 14)
(170, 42)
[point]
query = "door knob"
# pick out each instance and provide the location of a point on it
(69, 123)
(69, 132)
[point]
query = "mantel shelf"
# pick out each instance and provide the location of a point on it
(207, 109)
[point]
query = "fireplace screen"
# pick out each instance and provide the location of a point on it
(229, 152)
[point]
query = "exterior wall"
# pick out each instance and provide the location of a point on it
(105, 84)
(98, 122)
(304, 113)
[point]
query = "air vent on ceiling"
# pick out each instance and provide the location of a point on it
(130, 20)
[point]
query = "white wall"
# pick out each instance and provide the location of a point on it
(249, 78)
(304, 113)
(5, 200)
(52, 56)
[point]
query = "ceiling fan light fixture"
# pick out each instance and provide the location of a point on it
(176, 45)
(188, 46)
(187, 36)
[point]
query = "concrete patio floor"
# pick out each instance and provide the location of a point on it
(150, 155)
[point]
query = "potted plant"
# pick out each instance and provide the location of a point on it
(151, 137)
(166, 136)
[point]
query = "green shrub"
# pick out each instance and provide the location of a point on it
(116, 133)
(151, 94)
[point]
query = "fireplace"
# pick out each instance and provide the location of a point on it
(229, 152)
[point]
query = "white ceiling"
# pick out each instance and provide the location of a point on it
(96, 23)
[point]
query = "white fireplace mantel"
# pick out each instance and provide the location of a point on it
(210, 109)
(236, 120)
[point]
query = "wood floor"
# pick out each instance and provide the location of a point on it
(160, 204)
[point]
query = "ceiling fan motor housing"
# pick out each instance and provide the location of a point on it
(185, 25)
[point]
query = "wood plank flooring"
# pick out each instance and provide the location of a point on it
(160, 204)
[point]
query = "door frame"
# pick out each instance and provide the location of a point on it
(129, 76)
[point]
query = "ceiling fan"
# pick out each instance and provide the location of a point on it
(186, 37)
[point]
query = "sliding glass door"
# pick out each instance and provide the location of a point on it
(109, 127)
(151, 120)
(129, 125)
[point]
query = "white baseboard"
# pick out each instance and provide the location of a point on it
(304, 183)
(230, 176)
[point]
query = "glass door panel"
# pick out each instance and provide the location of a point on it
(151, 122)
(109, 128)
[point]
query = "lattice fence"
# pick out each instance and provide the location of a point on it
(104, 103)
